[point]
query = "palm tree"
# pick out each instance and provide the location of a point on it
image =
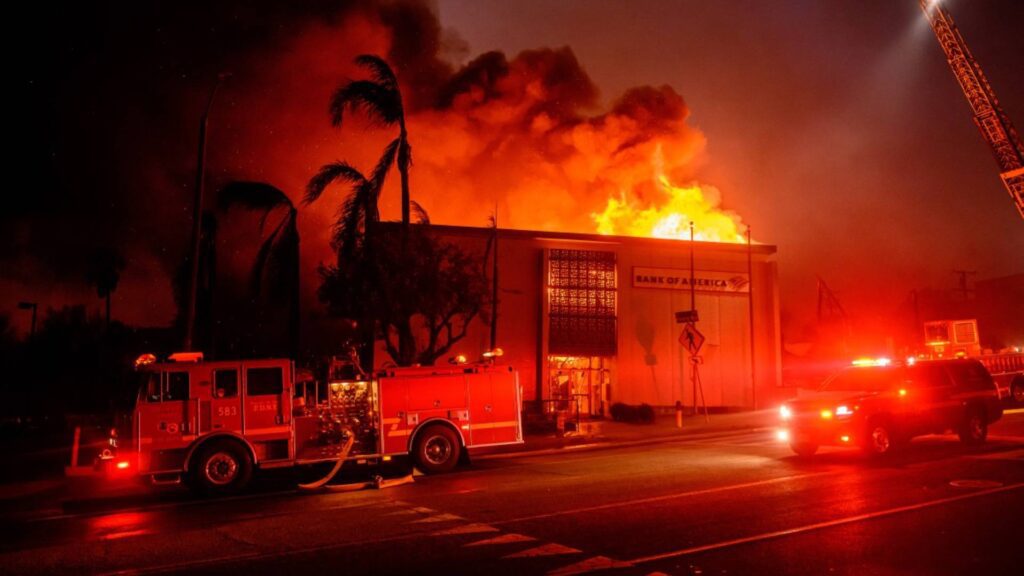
(381, 100)
(352, 230)
(278, 258)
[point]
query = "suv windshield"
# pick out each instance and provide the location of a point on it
(864, 379)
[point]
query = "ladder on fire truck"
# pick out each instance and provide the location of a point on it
(993, 123)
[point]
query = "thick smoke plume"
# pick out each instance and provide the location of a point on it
(522, 133)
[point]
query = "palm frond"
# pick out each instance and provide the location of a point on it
(421, 215)
(382, 105)
(379, 70)
(253, 196)
(328, 174)
(387, 158)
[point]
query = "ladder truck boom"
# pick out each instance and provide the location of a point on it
(993, 123)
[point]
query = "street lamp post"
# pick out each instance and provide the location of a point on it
(197, 216)
(30, 306)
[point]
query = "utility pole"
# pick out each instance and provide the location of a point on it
(197, 217)
(750, 304)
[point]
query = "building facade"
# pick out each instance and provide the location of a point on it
(590, 320)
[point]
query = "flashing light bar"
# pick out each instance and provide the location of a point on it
(872, 362)
(194, 357)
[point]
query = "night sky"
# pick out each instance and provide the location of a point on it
(834, 129)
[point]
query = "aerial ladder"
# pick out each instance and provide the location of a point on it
(993, 123)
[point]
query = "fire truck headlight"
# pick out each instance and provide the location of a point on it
(785, 413)
(826, 414)
(844, 411)
(782, 435)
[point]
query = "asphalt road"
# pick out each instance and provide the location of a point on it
(728, 503)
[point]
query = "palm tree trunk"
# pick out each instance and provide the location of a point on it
(403, 170)
(294, 312)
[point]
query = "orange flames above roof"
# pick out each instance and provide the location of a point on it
(629, 216)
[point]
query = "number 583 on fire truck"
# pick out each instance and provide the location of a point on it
(211, 424)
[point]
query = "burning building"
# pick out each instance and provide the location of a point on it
(591, 319)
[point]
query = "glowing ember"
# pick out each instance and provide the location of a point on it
(627, 217)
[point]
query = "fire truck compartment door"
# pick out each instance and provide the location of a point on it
(505, 402)
(481, 409)
(494, 408)
(394, 413)
(437, 393)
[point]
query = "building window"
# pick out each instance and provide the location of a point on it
(582, 288)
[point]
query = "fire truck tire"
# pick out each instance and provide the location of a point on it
(220, 467)
(974, 429)
(879, 438)
(436, 449)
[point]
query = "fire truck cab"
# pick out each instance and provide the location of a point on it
(211, 424)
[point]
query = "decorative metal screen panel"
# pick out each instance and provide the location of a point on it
(582, 288)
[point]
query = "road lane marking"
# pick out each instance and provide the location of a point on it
(503, 539)
(590, 565)
(467, 529)
(821, 525)
(551, 549)
(701, 492)
(437, 518)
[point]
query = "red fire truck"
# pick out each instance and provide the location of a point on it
(959, 339)
(210, 424)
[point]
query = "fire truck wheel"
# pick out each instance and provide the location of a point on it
(220, 467)
(437, 449)
(974, 429)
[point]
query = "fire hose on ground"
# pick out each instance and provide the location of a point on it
(378, 481)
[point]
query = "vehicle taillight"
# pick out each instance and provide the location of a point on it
(123, 465)
(903, 391)
(826, 414)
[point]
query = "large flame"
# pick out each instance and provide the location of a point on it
(627, 216)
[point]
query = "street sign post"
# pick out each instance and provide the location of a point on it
(692, 340)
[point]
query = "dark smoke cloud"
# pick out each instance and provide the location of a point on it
(110, 96)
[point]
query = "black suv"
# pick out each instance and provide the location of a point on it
(876, 406)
